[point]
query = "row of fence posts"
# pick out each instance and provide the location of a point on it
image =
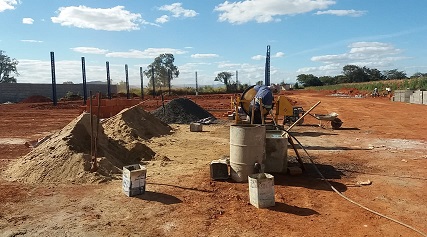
(54, 94)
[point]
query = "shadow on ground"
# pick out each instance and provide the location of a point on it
(159, 197)
(299, 211)
(180, 187)
(312, 134)
(311, 179)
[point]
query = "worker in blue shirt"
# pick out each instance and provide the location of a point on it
(265, 93)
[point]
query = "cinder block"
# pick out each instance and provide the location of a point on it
(425, 97)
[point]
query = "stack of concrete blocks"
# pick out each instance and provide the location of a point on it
(402, 95)
(425, 97)
(416, 97)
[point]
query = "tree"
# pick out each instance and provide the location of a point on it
(355, 73)
(374, 74)
(162, 66)
(328, 80)
(225, 77)
(341, 79)
(309, 80)
(7, 67)
(395, 74)
(418, 75)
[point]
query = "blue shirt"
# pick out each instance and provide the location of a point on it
(265, 94)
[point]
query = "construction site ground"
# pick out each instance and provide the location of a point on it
(380, 141)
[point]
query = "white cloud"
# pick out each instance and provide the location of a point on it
(278, 55)
(206, 55)
(28, 21)
(261, 57)
(32, 41)
(373, 48)
(229, 65)
(8, 5)
(258, 57)
(148, 53)
(263, 11)
(192, 66)
(353, 13)
(90, 50)
(370, 54)
(163, 19)
(109, 19)
(178, 11)
(362, 52)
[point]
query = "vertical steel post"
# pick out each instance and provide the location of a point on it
(267, 67)
(52, 68)
(237, 81)
(197, 86)
(107, 65)
(127, 81)
(141, 75)
(152, 81)
(169, 80)
(84, 80)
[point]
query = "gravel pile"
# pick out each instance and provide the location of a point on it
(181, 111)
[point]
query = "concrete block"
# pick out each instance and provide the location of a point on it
(425, 97)
(417, 97)
(397, 96)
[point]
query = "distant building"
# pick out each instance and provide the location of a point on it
(287, 87)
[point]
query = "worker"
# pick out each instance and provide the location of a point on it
(375, 93)
(265, 93)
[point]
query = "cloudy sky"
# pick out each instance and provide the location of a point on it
(306, 36)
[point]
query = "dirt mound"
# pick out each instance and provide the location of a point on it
(65, 157)
(36, 99)
(182, 111)
(135, 123)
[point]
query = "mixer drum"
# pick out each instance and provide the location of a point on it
(245, 100)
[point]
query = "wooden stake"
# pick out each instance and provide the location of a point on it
(252, 115)
(261, 110)
(91, 128)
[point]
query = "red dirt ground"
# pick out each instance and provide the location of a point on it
(381, 141)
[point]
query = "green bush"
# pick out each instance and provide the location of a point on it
(412, 84)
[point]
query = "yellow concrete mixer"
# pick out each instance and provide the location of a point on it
(281, 106)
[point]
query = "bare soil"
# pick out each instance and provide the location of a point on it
(380, 141)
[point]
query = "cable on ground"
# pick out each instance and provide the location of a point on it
(348, 199)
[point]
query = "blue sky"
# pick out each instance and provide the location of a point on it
(306, 36)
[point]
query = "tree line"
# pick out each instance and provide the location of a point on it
(353, 74)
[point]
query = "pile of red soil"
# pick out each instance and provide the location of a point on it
(36, 99)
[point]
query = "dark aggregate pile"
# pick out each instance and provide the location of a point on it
(181, 111)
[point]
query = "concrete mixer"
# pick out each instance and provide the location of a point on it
(281, 107)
